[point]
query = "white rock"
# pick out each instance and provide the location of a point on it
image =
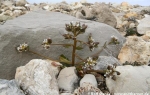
(67, 78)
(66, 94)
(132, 25)
(146, 15)
(88, 78)
(132, 79)
(38, 77)
(19, 8)
(17, 13)
(46, 7)
(144, 25)
(9, 87)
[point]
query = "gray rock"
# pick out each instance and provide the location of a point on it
(9, 87)
(104, 14)
(35, 26)
(143, 26)
(104, 61)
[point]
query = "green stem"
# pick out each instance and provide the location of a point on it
(96, 54)
(74, 50)
(42, 56)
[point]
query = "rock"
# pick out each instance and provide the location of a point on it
(20, 2)
(131, 14)
(124, 4)
(79, 15)
(7, 3)
(46, 7)
(104, 14)
(88, 89)
(132, 79)
(36, 26)
(17, 13)
(76, 5)
(66, 94)
(9, 87)
(135, 49)
(143, 25)
(4, 18)
(38, 77)
(132, 25)
(67, 79)
(88, 78)
(104, 61)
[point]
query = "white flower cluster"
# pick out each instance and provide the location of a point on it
(111, 72)
(46, 43)
(90, 63)
(23, 47)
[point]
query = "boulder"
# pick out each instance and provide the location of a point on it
(36, 26)
(67, 79)
(104, 14)
(20, 2)
(38, 77)
(144, 25)
(9, 87)
(104, 61)
(135, 49)
(130, 14)
(133, 79)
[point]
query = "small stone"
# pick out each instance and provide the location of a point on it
(88, 78)
(67, 79)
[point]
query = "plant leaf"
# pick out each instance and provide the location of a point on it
(67, 46)
(64, 59)
(79, 48)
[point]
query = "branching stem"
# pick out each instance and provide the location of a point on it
(42, 55)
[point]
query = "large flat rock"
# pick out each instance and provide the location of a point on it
(38, 25)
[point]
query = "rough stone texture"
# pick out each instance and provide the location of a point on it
(135, 49)
(104, 14)
(132, 79)
(87, 89)
(38, 77)
(144, 25)
(88, 78)
(104, 61)
(67, 79)
(9, 87)
(20, 2)
(35, 26)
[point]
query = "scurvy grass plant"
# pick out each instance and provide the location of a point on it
(86, 65)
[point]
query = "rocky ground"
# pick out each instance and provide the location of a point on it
(125, 61)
